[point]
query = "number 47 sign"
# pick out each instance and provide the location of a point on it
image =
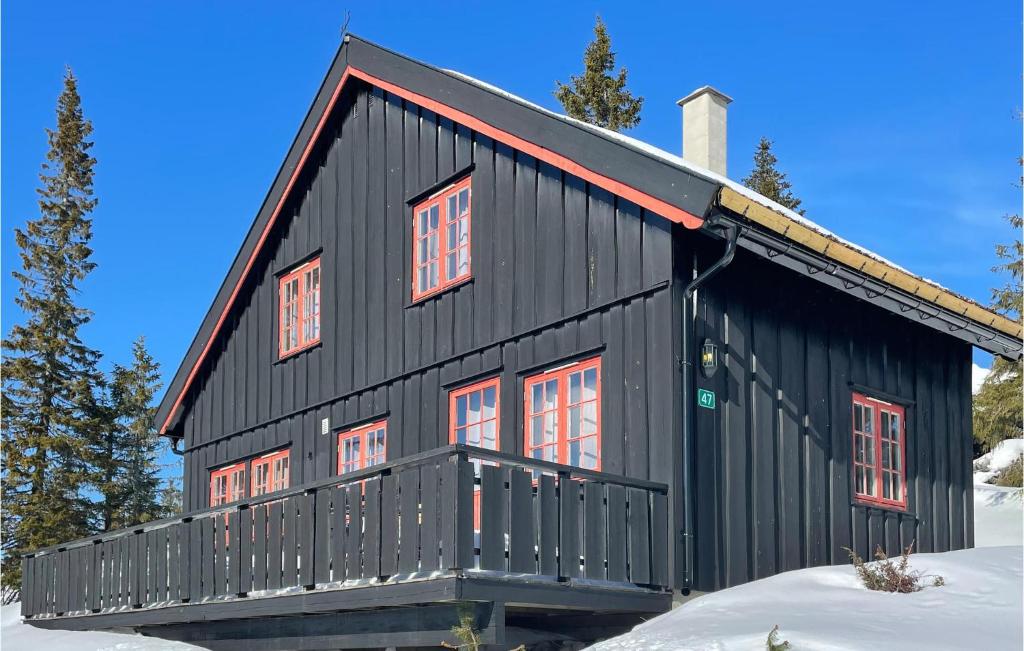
(705, 398)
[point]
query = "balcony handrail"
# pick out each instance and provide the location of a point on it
(379, 470)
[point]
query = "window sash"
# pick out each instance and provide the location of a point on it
(362, 447)
(879, 451)
(562, 415)
(227, 484)
(441, 240)
(299, 308)
(270, 473)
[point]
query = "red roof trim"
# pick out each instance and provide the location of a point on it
(642, 199)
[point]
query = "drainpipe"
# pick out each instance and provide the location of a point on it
(174, 447)
(689, 415)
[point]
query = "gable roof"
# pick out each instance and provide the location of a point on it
(650, 177)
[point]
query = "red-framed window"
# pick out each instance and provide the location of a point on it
(563, 414)
(269, 473)
(362, 447)
(473, 414)
(299, 308)
(879, 451)
(227, 484)
(441, 240)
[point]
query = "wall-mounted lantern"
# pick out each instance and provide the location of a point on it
(708, 358)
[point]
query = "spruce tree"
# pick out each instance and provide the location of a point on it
(49, 374)
(767, 180)
(998, 409)
(133, 493)
(597, 96)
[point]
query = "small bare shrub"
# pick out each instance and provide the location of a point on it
(773, 643)
(890, 575)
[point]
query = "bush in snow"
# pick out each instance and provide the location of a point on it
(1011, 475)
(773, 643)
(889, 575)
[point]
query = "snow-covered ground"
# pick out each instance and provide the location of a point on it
(826, 608)
(992, 463)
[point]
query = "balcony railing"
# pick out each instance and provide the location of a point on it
(407, 519)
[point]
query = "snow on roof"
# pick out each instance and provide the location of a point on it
(680, 163)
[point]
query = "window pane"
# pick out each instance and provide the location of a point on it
(574, 453)
(885, 454)
(536, 397)
(432, 277)
(550, 427)
(858, 418)
(869, 419)
(574, 422)
(474, 407)
(421, 279)
(463, 263)
(870, 475)
(464, 201)
(536, 430)
(590, 453)
(451, 270)
(869, 450)
(451, 214)
(897, 487)
(460, 434)
(473, 435)
(460, 410)
(575, 388)
(590, 384)
(858, 448)
(463, 231)
(859, 479)
(490, 402)
(422, 221)
(885, 423)
(895, 427)
(590, 418)
(421, 251)
(433, 218)
(551, 394)
(490, 438)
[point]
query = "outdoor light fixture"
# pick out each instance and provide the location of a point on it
(708, 358)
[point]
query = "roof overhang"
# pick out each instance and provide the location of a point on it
(804, 249)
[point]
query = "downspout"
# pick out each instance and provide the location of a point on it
(689, 415)
(174, 447)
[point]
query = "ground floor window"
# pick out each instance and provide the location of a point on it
(362, 447)
(879, 451)
(563, 414)
(267, 473)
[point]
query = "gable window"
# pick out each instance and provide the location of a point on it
(473, 414)
(269, 473)
(879, 451)
(563, 407)
(227, 484)
(362, 447)
(441, 243)
(299, 305)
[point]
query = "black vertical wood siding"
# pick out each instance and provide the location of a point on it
(560, 269)
(773, 486)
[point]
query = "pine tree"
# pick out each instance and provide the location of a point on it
(49, 374)
(998, 410)
(767, 180)
(171, 498)
(597, 96)
(132, 492)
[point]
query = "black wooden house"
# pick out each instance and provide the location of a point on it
(474, 356)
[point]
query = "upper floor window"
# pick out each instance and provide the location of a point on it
(362, 447)
(441, 243)
(227, 484)
(473, 414)
(269, 473)
(299, 305)
(563, 407)
(879, 451)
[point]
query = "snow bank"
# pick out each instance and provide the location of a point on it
(998, 515)
(979, 607)
(992, 463)
(16, 636)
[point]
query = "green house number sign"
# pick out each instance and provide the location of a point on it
(705, 398)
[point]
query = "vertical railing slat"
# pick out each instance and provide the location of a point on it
(322, 541)
(492, 518)
(659, 539)
(245, 552)
(274, 546)
(259, 552)
(522, 534)
(389, 525)
(289, 540)
(568, 527)
(306, 532)
(371, 529)
(429, 485)
(409, 530)
(616, 496)
(547, 504)
(353, 540)
(639, 536)
(595, 529)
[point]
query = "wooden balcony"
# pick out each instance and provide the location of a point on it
(517, 539)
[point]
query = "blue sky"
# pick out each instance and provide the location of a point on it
(895, 121)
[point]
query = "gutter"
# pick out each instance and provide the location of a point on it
(732, 232)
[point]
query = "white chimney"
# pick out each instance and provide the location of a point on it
(704, 128)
